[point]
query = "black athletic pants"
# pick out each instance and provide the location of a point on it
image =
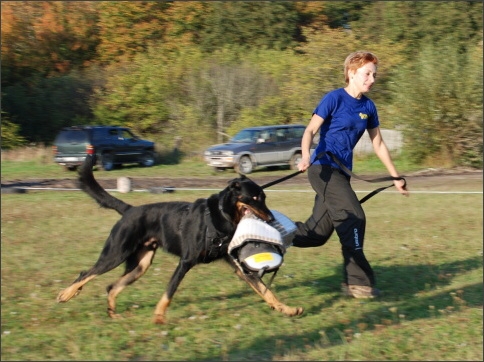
(336, 207)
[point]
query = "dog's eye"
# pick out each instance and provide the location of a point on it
(259, 198)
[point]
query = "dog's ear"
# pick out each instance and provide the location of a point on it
(235, 183)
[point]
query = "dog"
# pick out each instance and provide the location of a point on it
(197, 233)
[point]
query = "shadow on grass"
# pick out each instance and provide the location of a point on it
(398, 282)
(401, 283)
(378, 319)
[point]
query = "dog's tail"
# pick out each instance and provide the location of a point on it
(90, 186)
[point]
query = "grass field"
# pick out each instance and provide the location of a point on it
(426, 251)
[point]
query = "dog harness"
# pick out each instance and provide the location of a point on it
(215, 240)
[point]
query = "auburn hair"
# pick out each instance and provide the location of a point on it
(357, 60)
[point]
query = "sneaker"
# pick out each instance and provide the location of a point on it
(360, 291)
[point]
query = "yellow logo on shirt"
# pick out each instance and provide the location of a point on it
(363, 116)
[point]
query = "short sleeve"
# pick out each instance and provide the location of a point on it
(326, 106)
(373, 120)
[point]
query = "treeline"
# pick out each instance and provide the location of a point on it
(202, 70)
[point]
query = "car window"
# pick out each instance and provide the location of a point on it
(71, 136)
(101, 134)
(246, 136)
(268, 135)
(113, 133)
(127, 135)
(281, 134)
(296, 133)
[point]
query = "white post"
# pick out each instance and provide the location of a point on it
(124, 185)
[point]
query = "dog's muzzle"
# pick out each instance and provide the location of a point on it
(259, 246)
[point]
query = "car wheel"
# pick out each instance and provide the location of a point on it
(245, 165)
(107, 161)
(295, 159)
(219, 169)
(147, 159)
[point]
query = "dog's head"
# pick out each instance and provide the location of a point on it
(243, 196)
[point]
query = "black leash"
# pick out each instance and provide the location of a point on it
(275, 182)
(348, 172)
(379, 179)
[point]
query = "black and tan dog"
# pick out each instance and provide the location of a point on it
(197, 232)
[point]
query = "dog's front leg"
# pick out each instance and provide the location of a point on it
(183, 267)
(161, 308)
(260, 288)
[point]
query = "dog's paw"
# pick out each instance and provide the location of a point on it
(115, 316)
(61, 298)
(159, 319)
(66, 295)
(289, 311)
(112, 314)
(299, 311)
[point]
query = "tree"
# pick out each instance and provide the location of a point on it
(439, 104)
(416, 23)
(261, 24)
(435, 93)
(45, 105)
(127, 28)
(317, 68)
(46, 38)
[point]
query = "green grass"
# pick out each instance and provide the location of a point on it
(426, 251)
(38, 163)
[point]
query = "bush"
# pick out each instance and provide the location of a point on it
(10, 134)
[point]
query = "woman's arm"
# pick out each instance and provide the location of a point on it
(311, 130)
(383, 154)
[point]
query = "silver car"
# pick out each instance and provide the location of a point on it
(258, 147)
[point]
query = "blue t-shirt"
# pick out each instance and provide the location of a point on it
(345, 120)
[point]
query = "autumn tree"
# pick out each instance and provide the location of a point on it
(46, 38)
(417, 23)
(127, 28)
(200, 70)
(46, 47)
(436, 93)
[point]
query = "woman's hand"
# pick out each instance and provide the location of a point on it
(304, 164)
(401, 187)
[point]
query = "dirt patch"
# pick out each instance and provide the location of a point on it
(424, 178)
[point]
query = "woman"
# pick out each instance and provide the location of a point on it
(341, 118)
